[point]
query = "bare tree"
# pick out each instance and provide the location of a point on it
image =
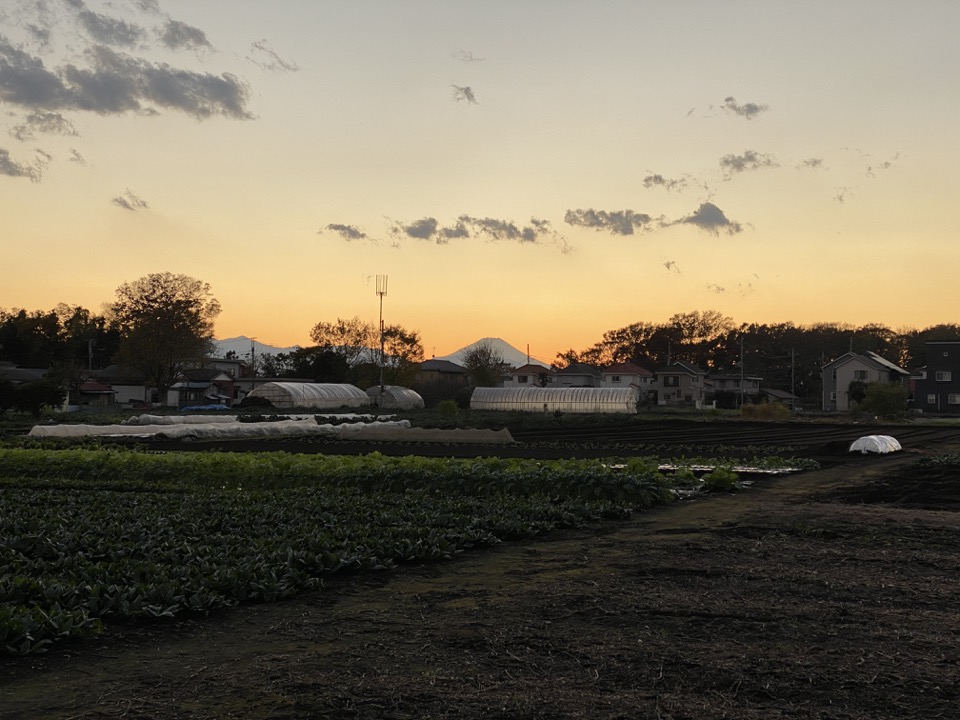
(485, 365)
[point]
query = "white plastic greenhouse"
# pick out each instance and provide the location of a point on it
(324, 396)
(568, 400)
(395, 397)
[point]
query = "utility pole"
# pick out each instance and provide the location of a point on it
(253, 363)
(741, 373)
(381, 292)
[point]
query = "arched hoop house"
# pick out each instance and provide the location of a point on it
(395, 397)
(324, 396)
(568, 400)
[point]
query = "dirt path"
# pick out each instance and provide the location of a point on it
(779, 602)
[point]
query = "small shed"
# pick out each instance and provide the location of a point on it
(323, 396)
(395, 397)
(569, 400)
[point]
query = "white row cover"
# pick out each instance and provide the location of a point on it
(568, 400)
(311, 395)
(875, 444)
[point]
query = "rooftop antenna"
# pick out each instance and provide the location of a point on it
(381, 292)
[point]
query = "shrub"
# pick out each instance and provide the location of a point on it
(448, 408)
(766, 411)
(720, 480)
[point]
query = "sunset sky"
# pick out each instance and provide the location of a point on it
(540, 171)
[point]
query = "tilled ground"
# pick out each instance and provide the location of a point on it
(830, 594)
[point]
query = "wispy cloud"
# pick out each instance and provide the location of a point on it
(467, 56)
(747, 160)
(265, 58)
(129, 201)
(747, 110)
(712, 219)
(618, 222)
(464, 93)
(716, 289)
(656, 180)
(491, 229)
(46, 123)
(813, 163)
(176, 35)
(76, 157)
(671, 266)
(347, 232)
(12, 168)
(841, 194)
(108, 30)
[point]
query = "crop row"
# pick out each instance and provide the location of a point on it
(93, 535)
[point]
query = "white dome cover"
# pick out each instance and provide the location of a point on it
(875, 444)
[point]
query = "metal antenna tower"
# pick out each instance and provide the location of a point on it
(381, 292)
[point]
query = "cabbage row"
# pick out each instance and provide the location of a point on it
(94, 535)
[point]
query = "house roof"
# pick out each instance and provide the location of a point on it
(91, 387)
(530, 369)
(778, 394)
(682, 368)
(442, 366)
(15, 374)
(627, 368)
(868, 358)
(204, 375)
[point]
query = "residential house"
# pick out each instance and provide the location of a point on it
(93, 393)
(731, 389)
(779, 396)
(16, 375)
(629, 374)
(530, 375)
(202, 386)
(444, 371)
(937, 386)
(851, 367)
(128, 385)
(578, 375)
(681, 383)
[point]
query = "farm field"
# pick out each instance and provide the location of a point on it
(826, 594)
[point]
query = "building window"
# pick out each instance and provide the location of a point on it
(859, 374)
(931, 399)
(522, 379)
(953, 399)
(944, 376)
(615, 378)
(833, 396)
(671, 381)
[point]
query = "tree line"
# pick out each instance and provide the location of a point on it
(163, 323)
(785, 355)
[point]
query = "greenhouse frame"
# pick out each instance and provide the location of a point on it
(323, 396)
(568, 400)
(395, 397)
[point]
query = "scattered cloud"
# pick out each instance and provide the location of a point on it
(618, 222)
(748, 160)
(347, 232)
(76, 157)
(711, 218)
(493, 229)
(671, 266)
(265, 58)
(813, 163)
(108, 30)
(12, 168)
(176, 35)
(657, 180)
(841, 195)
(129, 201)
(464, 93)
(46, 123)
(885, 165)
(116, 83)
(467, 56)
(747, 110)
(716, 289)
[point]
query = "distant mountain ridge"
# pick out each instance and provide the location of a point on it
(241, 345)
(508, 352)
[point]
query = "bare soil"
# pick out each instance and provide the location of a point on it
(829, 594)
